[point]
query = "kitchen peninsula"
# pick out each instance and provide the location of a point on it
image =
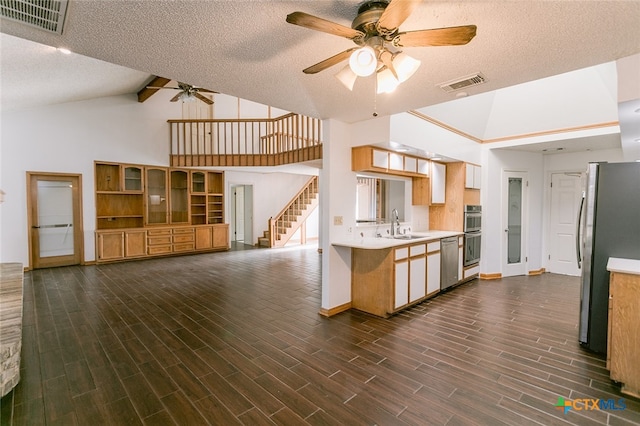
(392, 274)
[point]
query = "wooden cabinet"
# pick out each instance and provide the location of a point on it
(198, 200)
(386, 281)
(118, 245)
(400, 279)
(215, 198)
(179, 181)
(623, 348)
(450, 215)
(372, 159)
(433, 267)
(119, 198)
(420, 191)
(153, 211)
(438, 183)
(473, 176)
(156, 192)
(417, 272)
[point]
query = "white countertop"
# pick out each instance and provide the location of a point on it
(624, 266)
(383, 243)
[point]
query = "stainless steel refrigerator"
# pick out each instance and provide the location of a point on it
(610, 227)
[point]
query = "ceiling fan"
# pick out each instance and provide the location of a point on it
(377, 36)
(188, 93)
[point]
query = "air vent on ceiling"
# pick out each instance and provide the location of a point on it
(44, 14)
(463, 82)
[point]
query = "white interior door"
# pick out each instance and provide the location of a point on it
(242, 213)
(514, 196)
(566, 192)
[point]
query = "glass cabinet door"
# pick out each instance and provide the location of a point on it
(179, 196)
(132, 178)
(157, 196)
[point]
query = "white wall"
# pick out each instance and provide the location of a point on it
(407, 129)
(338, 194)
(497, 161)
(68, 138)
(271, 191)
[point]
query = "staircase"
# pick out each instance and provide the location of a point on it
(292, 217)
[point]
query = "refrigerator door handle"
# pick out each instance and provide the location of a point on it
(578, 223)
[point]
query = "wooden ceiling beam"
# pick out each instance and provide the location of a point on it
(149, 89)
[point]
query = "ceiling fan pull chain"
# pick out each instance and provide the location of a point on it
(375, 97)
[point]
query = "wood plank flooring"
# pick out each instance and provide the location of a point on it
(235, 338)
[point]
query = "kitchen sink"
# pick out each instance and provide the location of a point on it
(406, 237)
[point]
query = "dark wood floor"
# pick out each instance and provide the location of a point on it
(235, 338)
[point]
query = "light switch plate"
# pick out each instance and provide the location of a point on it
(337, 220)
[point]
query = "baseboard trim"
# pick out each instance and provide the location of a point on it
(537, 272)
(335, 310)
(496, 276)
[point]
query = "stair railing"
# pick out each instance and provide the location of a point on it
(286, 139)
(288, 214)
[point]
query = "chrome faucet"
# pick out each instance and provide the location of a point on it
(395, 222)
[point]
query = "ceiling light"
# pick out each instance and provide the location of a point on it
(363, 62)
(187, 97)
(386, 82)
(405, 66)
(347, 77)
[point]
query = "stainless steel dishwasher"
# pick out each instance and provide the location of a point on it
(448, 262)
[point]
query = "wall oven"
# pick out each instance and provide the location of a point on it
(472, 234)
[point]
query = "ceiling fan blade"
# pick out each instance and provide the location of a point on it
(313, 22)
(203, 98)
(335, 59)
(200, 89)
(396, 12)
(166, 87)
(451, 36)
(176, 97)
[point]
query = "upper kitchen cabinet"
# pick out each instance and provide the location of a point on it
(473, 177)
(373, 159)
(450, 214)
(438, 183)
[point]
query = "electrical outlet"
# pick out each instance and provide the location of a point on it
(337, 220)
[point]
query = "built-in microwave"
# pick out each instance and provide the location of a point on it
(472, 218)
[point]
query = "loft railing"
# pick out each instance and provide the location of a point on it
(291, 138)
(294, 214)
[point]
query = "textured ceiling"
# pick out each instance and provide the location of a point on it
(246, 49)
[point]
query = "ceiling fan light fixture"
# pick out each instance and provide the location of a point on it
(187, 97)
(386, 82)
(363, 62)
(347, 77)
(405, 66)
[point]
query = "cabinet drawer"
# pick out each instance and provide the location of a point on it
(184, 247)
(158, 241)
(159, 232)
(183, 231)
(416, 250)
(401, 253)
(433, 246)
(185, 238)
(158, 249)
